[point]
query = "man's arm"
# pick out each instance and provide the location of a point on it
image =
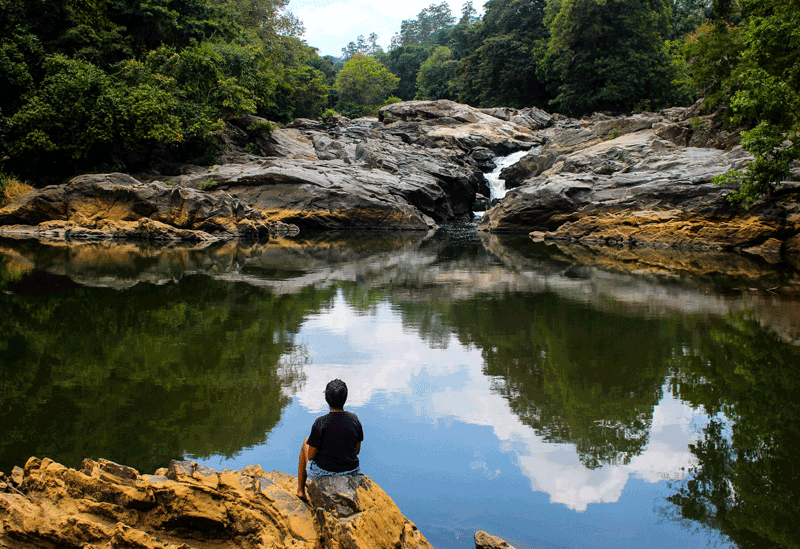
(358, 448)
(312, 452)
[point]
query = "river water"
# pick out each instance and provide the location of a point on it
(559, 397)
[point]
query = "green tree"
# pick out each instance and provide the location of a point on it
(364, 85)
(428, 29)
(767, 96)
(500, 54)
(608, 55)
(687, 15)
(101, 84)
(435, 77)
(405, 62)
(711, 53)
(364, 46)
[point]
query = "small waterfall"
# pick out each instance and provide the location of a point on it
(497, 185)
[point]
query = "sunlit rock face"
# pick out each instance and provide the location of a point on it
(106, 505)
(105, 206)
(352, 511)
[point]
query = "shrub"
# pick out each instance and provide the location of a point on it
(261, 125)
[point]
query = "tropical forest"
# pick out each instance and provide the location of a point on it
(103, 84)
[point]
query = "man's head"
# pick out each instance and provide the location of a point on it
(336, 393)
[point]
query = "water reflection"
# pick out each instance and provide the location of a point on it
(747, 479)
(576, 433)
(145, 374)
(583, 373)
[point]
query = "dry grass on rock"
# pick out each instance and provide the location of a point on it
(11, 188)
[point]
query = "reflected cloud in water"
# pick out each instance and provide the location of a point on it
(383, 361)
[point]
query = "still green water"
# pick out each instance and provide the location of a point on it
(554, 396)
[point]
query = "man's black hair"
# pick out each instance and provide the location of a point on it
(336, 393)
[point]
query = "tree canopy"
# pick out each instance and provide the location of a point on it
(764, 89)
(103, 83)
(364, 85)
(111, 84)
(608, 55)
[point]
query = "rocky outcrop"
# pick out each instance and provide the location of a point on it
(638, 180)
(614, 181)
(445, 123)
(691, 127)
(488, 541)
(419, 164)
(118, 206)
(106, 505)
(353, 512)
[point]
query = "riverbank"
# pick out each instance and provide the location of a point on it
(643, 180)
(107, 505)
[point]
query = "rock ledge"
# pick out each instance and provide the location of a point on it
(105, 505)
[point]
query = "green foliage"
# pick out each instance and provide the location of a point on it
(328, 115)
(5, 182)
(261, 126)
(436, 74)
(362, 46)
(428, 29)
(43, 126)
(405, 63)
(608, 55)
(774, 152)
(501, 54)
(766, 97)
(711, 54)
(364, 85)
(687, 15)
(104, 83)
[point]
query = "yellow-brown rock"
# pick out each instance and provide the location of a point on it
(109, 506)
(117, 206)
(352, 511)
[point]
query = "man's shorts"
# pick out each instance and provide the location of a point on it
(315, 472)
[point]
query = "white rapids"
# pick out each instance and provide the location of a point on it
(497, 185)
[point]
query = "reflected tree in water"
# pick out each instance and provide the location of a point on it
(560, 374)
(155, 372)
(747, 480)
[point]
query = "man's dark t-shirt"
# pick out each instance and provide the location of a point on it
(336, 436)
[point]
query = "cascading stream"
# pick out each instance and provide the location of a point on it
(497, 185)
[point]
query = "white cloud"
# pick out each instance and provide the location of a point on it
(386, 360)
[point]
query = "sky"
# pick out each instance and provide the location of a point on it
(331, 24)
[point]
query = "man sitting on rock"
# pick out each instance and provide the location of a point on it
(333, 446)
